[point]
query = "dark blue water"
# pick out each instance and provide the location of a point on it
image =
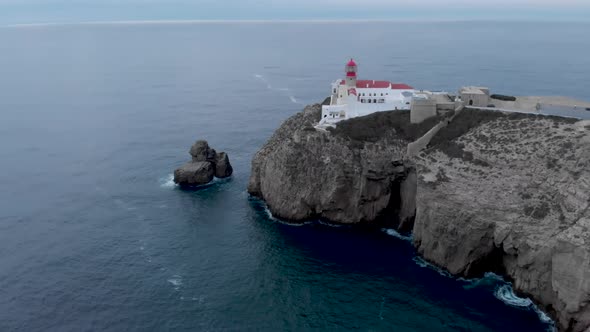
(93, 119)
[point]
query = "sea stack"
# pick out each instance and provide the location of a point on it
(205, 164)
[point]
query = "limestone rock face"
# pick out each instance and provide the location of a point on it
(512, 195)
(200, 151)
(508, 193)
(195, 173)
(206, 163)
(223, 168)
(304, 173)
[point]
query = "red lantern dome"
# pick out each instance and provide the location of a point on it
(351, 68)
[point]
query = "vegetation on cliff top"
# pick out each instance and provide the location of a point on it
(374, 127)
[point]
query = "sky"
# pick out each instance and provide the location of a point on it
(73, 11)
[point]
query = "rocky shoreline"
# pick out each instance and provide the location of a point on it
(508, 193)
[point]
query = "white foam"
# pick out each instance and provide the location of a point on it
(269, 214)
(176, 281)
(270, 87)
(493, 276)
(544, 317)
(396, 234)
(505, 294)
(488, 278)
(324, 223)
(422, 263)
(275, 219)
(168, 181)
(503, 291)
(263, 79)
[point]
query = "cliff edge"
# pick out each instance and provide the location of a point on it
(508, 193)
(511, 194)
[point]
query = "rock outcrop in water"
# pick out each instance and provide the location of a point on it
(206, 164)
(508, 193)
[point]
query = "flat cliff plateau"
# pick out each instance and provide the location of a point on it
(508, 193)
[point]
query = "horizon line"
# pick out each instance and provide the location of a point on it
(278, 21)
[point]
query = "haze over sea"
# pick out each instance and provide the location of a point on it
(94, 118)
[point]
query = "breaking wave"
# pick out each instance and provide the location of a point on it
(275, 219)
(168, 181)
(396, 234)
(176, 281)
(422, 263)
(505, 294)
(489, 278)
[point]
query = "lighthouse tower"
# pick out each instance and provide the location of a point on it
(351, 69)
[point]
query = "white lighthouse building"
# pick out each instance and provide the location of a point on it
(351, 97)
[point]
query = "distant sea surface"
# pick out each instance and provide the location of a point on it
(94, 118)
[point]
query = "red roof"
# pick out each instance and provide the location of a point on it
(351, 63)
(400, 86)
(371, 84)
(351, 74)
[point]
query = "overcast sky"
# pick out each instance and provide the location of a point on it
(65, 11)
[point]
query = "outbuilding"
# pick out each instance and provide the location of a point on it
(475, 96)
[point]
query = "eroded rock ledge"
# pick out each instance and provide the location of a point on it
(492, 192)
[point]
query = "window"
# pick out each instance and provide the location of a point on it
(375, 101)
(334, 91)
(369, 101)
(382, 94)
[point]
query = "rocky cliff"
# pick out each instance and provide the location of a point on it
(510, 193)
(354, 174)
(492, 192)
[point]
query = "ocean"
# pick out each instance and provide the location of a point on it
(95, 117)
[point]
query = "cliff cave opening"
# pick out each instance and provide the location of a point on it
(400, 211)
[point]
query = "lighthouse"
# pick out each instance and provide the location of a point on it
(351, 69)
(352, 97)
